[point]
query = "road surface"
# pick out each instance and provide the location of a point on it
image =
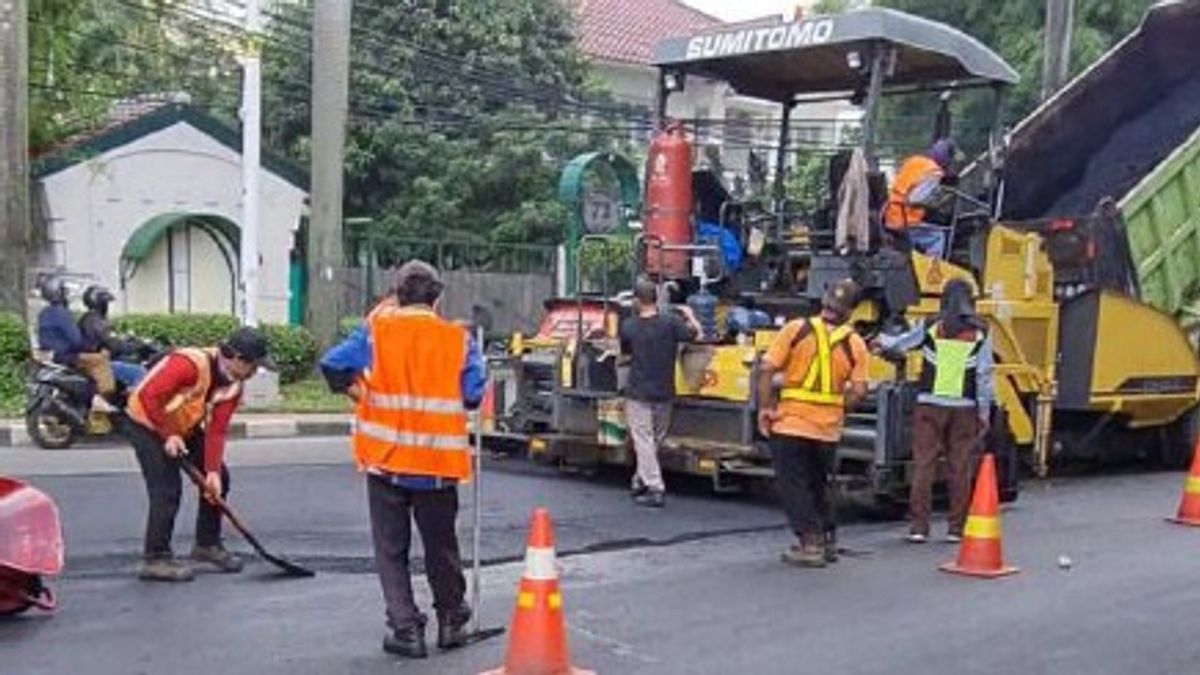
(694, 588)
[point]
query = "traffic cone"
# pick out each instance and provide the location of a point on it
(1189, 505)
(538, 642)
(981, 554)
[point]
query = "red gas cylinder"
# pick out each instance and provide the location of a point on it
(668, 215)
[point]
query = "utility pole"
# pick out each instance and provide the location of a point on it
(1060, 21)
(14, 154)
(251, 158)
(330, 104)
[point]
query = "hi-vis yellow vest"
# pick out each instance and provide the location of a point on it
(817, 385)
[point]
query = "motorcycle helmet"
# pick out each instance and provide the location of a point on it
(97, 298)
(54, 291)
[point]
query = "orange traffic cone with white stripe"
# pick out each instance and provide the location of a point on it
(1189, 505)
(538, 642)
(981, 554)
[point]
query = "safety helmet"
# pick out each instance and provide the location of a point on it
(841, 297)
(53, 291)
(97, 298)
(957, 300)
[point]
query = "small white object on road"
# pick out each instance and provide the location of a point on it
(1064, 562)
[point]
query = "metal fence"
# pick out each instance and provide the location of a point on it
(501, 286)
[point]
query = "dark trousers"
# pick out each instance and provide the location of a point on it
(804, 476)
(164, 487)
(942, 431)
(393, 509)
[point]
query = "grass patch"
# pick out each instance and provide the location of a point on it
(310, 395)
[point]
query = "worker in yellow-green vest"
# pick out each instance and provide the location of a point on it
(820, 364)
(954, 403)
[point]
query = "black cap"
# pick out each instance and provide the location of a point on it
(248, 344)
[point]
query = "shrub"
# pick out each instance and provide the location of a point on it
(178, 330)
(293, 347)
(14, 340)
(14, 360)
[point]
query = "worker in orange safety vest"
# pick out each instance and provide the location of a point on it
(413, 375)
(917, 183)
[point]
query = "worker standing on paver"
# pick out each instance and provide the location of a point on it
(181, 412)
(650, 340)
(822, 364)
(954, 403)
(917, 182)
(414, 375)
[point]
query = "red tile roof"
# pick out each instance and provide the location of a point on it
(627, 30)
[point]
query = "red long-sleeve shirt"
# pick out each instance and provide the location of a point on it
(179, 374)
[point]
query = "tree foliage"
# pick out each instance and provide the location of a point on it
(462, 115)
(85, 56)
(1015, 30)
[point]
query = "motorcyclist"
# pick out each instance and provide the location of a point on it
(56, 329)
(99, 339)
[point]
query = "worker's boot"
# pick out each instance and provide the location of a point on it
(452, 629)
(806, 554)
(407, 642)
(165, 569)
(637, 488)
(218, 557)
(655, 499)
(831, 546)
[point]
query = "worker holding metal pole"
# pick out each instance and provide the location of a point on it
(414, 375)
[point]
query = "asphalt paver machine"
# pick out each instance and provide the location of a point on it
(788, 256)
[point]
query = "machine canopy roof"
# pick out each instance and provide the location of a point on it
(778, 61)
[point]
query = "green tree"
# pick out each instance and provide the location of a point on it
(84, 56)
(1015, 30)
(462, 115)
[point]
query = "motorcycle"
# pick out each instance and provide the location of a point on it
(63, 405)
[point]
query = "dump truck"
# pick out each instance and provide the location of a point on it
(1119, 207)
(560, 390)
(1140, 150)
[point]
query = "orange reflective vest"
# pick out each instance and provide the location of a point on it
(899, 214)
(189, 409)
(817, 386)
(410, 418)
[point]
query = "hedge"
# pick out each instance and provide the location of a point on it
(14, 363)
(293, 347)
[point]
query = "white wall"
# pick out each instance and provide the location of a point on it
(814, 123)
(93, 208)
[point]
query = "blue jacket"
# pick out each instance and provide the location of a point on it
(57, 332)
(353, 356)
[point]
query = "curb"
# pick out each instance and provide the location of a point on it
(13, 433)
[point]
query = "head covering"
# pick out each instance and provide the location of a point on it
(417, 283)
(942, 151)
(248, 344)
(840, 298)
(53, 291)
(97, 298)
(957, 311)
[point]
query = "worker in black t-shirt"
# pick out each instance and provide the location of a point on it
(650, 340)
